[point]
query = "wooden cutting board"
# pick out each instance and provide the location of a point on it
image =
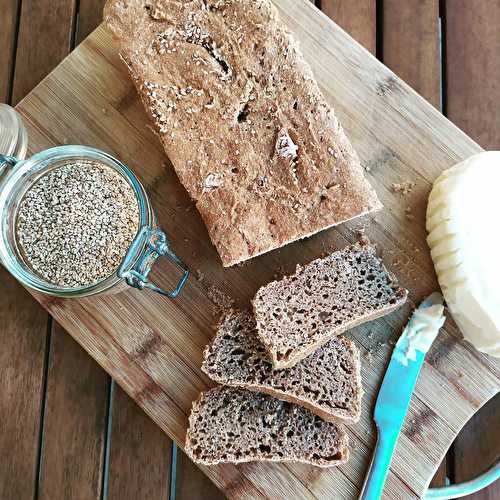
(153, 346)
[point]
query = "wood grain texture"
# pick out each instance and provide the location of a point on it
(440, 476)
(45, 32)
(76, 399)
(23, 330)
(359, 20)
(191, 483)
(411, 45)
(473, 69)
(140, 454)
(473, 93)
(74, 424)
(89, 17)
(477, 447)
(153, 346)
(356, 18)
(9, 10)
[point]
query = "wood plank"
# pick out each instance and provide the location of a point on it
(23, 335)
(8, 25)
(89, 17)
(140, 453)
(440, 477)
(71, 463)
(192, 483)
(477, 447)
(23, 331)
(400, 34)
(356, 18)
(45, 37)
(473, 69)
(75, 422)
(411, 45)
(148, 454)
(153, 346)
(359, 20)
(472, 95)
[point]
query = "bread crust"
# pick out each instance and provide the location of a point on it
(242, 119)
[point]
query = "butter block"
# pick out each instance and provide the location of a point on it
(463, 216)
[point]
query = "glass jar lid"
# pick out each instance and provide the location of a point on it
(13, 135)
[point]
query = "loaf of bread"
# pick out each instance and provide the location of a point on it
(242, 119)
(327, 382)
(233, 425)
(299, 313)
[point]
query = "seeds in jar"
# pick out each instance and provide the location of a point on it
(75, 224)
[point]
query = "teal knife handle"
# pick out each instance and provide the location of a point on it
(379, 468)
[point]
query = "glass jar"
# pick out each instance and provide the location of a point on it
(18, 175)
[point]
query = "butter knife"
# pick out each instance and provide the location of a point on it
(397, 387)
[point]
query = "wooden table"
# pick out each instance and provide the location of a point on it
(76, 434)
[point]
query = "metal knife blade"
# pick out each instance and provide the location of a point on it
(397, 388)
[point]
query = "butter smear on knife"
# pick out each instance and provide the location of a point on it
(421, 330)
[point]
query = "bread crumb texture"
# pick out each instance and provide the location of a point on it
(242, 119)
(327, 382)
(322, 299)
(234, 425)
(403, 188)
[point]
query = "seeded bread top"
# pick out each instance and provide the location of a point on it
(325, 298)
(327, 382)
(242, 119)
(233, 425)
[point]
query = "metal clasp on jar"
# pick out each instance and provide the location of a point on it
(148, 245)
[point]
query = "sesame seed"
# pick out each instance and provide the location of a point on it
(75, 224)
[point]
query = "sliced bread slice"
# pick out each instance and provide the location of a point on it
(299, 313)
(328, 382)
(234, 425)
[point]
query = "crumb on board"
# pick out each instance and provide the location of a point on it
(402, 188)
(368, 356)
(408, 213)
(200, 276)
(221, 300)
(362, 238)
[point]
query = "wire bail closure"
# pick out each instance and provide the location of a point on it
(156, 245)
